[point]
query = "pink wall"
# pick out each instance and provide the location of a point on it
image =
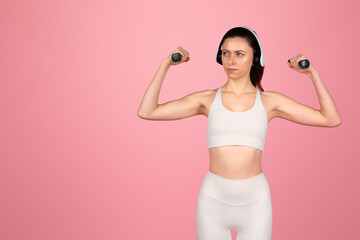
(76, 162)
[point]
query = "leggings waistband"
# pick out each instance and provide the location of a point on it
(235, 192)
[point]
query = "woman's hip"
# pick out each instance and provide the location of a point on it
(235, 192)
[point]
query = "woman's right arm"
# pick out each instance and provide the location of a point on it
(184, 107)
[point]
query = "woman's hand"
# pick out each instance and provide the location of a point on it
(293, 63)
(184, 56)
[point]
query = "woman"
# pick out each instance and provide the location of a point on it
(235, 194)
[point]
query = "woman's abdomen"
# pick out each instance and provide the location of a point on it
(235, 162)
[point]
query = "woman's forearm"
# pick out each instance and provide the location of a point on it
(327, 105)
(150, 100)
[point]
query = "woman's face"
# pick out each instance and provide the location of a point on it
(236, 54)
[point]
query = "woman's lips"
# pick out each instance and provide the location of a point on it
(231, 69)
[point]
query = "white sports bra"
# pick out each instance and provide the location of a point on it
(225, 127)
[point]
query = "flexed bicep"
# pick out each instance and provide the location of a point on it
(289, 109)
(187, 106)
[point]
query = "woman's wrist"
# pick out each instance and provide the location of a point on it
(312, 71)
(166, 63)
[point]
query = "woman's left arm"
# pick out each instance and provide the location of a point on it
(287, 108)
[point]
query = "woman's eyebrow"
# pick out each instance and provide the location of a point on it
(235, 51)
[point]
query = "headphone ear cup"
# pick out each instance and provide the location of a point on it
(256, 59)
(218, 58)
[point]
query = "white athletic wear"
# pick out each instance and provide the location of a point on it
(238, 205)
(225, 127)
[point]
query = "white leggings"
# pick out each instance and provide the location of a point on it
(239, 205)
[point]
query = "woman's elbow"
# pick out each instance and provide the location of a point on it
(335, 123)
(142, 116)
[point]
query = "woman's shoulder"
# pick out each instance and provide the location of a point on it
(269, 100)
(273, 98)
(271, 94)
(201, 96)
(205, 93)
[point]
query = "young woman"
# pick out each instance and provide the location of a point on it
(235, 194)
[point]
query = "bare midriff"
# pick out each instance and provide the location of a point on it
(235, 161)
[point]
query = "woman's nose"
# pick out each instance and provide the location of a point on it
(231, 59)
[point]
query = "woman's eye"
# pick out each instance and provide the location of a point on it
(224, 53)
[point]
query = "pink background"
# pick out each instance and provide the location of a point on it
(76, 162)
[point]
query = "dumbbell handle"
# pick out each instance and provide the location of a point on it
(303, 63)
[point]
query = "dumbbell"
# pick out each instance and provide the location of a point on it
(176, 57)
(303, 63)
